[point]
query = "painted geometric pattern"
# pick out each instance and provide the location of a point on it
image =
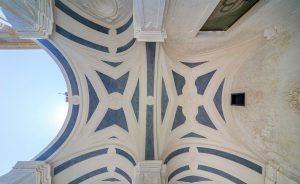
(195, 169)
(193, 114)
(102, 131)
(102, 169)
(192, 85)
(138, 104)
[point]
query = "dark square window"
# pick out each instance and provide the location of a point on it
(238, 99)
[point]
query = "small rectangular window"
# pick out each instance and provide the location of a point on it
(238, 99)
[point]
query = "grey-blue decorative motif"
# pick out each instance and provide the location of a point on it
(164, 100)
(79, 18)
(176, 153)
(179, 118)
(149, 146)
(124, 174)
(202, 82)
(113, 137)
(125, 26)
(135, 101)
(192, 65)
(114, 85)
(125, 155)
(192, 134)
(203, 118)
(111, 179)
(126, 46)
(89, 175)
(179, 82)
(113, 64)
(150, 52)
(178, 171)
(75, 108)
(113, 117)
(193, 179)
(232, 157)
(79, 159)
(218, 99)
(81, 41)
(93, 99)
(220, 173)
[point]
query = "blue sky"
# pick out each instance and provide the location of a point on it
(31, 110)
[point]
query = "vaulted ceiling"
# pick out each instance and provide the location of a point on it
(132, 101)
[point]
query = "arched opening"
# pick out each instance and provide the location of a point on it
(32, 104)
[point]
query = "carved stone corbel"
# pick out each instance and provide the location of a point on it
(148, 20)
(29, 172)
(29, 18)
(149, 172)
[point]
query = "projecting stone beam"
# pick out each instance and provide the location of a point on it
(30, 19)
(30, 172)
(148, 20)
(150, 172)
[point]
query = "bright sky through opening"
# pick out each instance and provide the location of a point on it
(31, 110)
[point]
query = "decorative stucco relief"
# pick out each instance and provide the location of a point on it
(108, 11)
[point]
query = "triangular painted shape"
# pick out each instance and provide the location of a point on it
(218, 100)
(179, 118)
(192, 134)
(135, 101)
(179, 81)
(114, 85)
(202, 82)
(113, 117)
(113, 64)
(192, 65)
(164, 100)
(203, 118)
(93, 99)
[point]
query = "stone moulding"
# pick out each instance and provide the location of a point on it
(149, 172)
(32, 20)
(148, 27)
(33, 172)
